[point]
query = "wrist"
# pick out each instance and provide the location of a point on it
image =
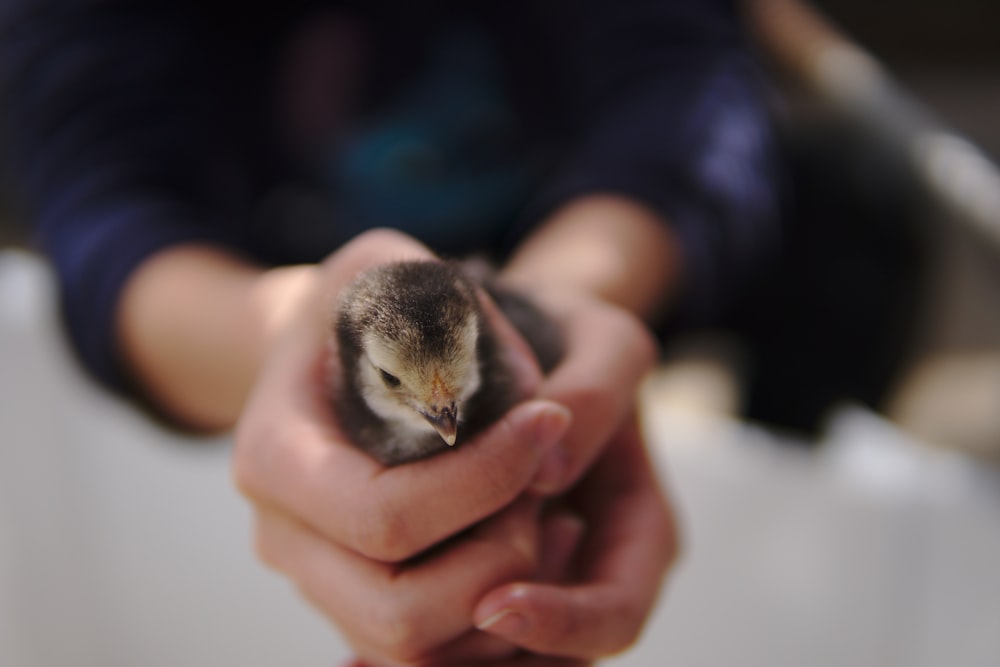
(193, 323)
(607, 245)
(275, 295)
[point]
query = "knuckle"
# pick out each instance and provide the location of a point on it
(648, 344)
(641, 338)
(521, 562)
(398, 629)
(374, 242)
(265, 547)
(625, 632)
(596, 406)
(252, 462)
(625, 326)
(378, 236)
(503, 460)
(381, 535)
(571, 627)
(522, 552)
(629, 635)
(245, 473)
(498, 478)
(263, 454)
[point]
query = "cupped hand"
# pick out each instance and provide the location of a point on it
(612, 537)
(603, 552)
(291, 453)
(340, 525)
(608, 353)
(609, 585)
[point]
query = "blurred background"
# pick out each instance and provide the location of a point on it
(833, 455)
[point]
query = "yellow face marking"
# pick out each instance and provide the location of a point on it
(441, 394)
(441, 411)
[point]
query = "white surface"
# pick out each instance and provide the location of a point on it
(121, 544)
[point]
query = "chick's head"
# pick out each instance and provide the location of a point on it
(418, 328)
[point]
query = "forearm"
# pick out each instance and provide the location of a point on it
(607, 245)
(672, 116)
(193, 322)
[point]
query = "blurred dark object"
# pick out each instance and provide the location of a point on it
(874, 178)
(945, 53)
(12, 231)
(933, 32)
(836, 317)
(820, 63)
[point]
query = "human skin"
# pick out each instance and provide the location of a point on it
(203, 330)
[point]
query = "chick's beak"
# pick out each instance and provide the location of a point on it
(445, 422)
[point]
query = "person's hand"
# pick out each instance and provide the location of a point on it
(603, 551)
(345, 529)
(608, 543)
(597, 604)
(608, 352)
(340, 526)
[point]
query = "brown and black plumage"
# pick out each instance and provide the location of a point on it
(421, 368)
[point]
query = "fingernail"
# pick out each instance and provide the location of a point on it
(550, 425)
(548, 431)
(544, 425)
(552, 471)
(505, 622)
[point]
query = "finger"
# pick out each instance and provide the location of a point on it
(577, 622)
(472, 647)
(418, 504)
(378, 246)
(562, 533)
(298, 372)
(516, 351)
(608, 353)
(545, 661)
(403, 613)
(309, 471)
(521, 660)
(630, 544)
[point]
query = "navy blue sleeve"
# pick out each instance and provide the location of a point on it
(110, 113)
(664, 104)
(134, 126)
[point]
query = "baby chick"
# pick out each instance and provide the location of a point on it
(421, 368)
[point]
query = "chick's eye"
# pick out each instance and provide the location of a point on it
(389, 379)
